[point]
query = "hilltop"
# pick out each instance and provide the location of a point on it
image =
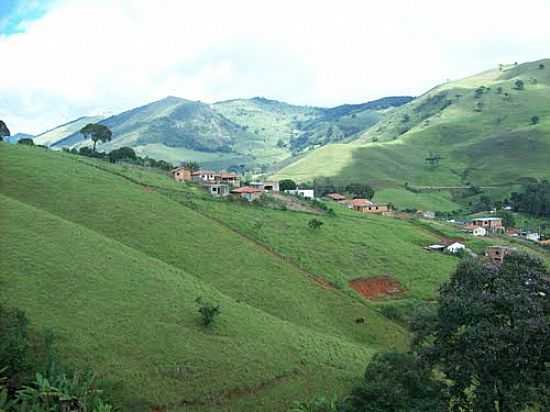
(126, 258)
(491, 129)
(256, 132)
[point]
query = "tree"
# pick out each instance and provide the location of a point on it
(490, 336)
(360, 190)
(208, 311)
(287, 184)
(4, 131)
(123, 153)
(535, 120)
(14, 343)
(315, 224)
(26, 141)
(191, 165)
(508, 219)
(97, 132)
(541, 66)
(519, 85)
(397, 381)
(280, 143)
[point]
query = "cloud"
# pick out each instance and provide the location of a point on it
(85, 57)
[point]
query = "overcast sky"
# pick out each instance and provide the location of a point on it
(61, 59)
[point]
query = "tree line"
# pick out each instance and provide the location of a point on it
(533, 199)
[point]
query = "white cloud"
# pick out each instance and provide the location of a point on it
(86, 57)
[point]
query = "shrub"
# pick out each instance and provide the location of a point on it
(208, 311)
(315, 224)
(535, 120)
(287, 184)
(26, 141)
(541, 66)
(14, 343)
(519, 85)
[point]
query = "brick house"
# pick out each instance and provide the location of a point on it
(366, 206)
(491, 224)
(218, 189)
(268, 186)
(181, 174)
(247, 193)
(497, 253)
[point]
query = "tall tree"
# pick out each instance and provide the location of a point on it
(4, 131)
(491, 337)
(97, 132)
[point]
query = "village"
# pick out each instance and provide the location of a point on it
(222, 184)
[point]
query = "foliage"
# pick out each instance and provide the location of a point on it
(123, 153)
(535, 120)
(499, 318)
(508, 219)
(360, 190)
(397, 381)
(14, 343)
(519, 84)
(4, 131)
(208, 311)
(319, 405)
(97, 132)
(191, 165)
(26, 141)
(287, 184)
(533, 199)
(541, 66)
(315, 224)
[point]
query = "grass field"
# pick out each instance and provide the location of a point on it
(112, 257)
(481, 126)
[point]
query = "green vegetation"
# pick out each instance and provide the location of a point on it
(96, 133)
(4, 131)
(59, 133)
(494, 147)
(116, 268)
(534, 199)
(208, 311)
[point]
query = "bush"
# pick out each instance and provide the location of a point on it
(26, 141)
(123, 153)
(541, 66)
(14, 344)
(208, 311)
(535, 120)
(287, 184)
(519, 85)
(315, 224)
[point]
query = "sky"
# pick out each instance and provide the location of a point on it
(61, 59)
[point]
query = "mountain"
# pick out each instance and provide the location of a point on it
(53, 136)
(253, 132)
(489, 129)
(18, 136)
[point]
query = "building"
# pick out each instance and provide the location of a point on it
(491, 224)
(247, 193)
(204, 176)
(366, 206)
(181, 174)
(337, 197)
(230, 178)
(428, 214)
(435, 248)
(455, 247)
(218, 189)
(479, 231)
(305, 193)
(268, 186)
(497, 253)
(532, 236)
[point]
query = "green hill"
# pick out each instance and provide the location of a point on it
(59, 133)
(112, 257)
(486, 129)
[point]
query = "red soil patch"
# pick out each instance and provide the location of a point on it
(376, 287)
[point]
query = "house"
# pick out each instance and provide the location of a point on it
(491, 224)
(181, 174)
(204, 176)
(337, 197)
(230, 178)
(497, 253)
(247, 193)
(428, 214)
(218, 189)
(305, 193)
(479, 231)
(532, 236)
(366, 206)
(435, 248)
(268, 186)
(455, 247)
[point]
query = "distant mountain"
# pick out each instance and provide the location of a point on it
(57, 134)
(489, 129)
(18, 136)
(252, 132)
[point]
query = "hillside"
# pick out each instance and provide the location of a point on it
(18, 136)
(486, 130)
(53, 136)
(126, 258)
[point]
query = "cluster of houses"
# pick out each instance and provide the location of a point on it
(360, 205)
(495, 254)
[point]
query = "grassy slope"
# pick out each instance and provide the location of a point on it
(496, 145)
(52, 136)
(114, 270)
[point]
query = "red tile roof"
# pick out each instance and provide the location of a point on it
(246, 189)
(361, 202)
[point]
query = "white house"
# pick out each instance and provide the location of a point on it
(305, 193)
(479, 231)
(455, 247)
(533, 236)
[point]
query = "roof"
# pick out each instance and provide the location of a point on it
(246, 189)
(178, 168)
(336, 196)
(361, 202)
(228, 175)
(486, 218)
